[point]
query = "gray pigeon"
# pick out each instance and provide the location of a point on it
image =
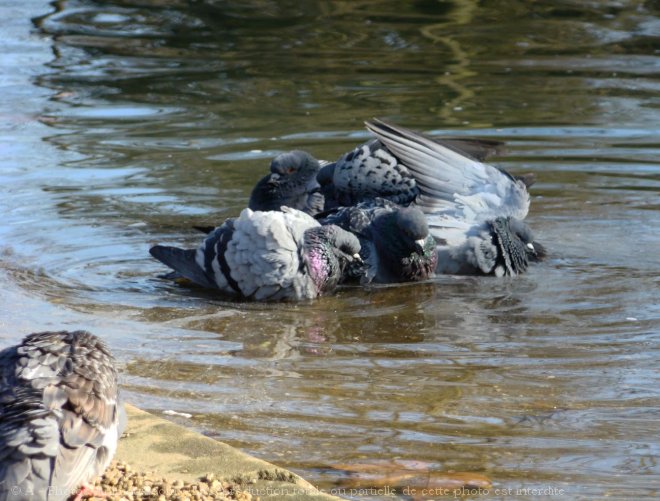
(474, 210)
(395, 242)
(267, 255)
(371, 170)
(291, 183)
(60, 417)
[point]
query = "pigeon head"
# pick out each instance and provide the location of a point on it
(291, 182)
(327, 252)
(413, 227)
(533, 250)
(293, 163)
(404, 244)
(507, 249)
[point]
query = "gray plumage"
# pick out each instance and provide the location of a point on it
(291, 182)
(395, 242)
(372, 170)
(268, 255)
(367, 172)
(474, 210)
(60, 417)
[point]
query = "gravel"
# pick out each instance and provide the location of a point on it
(121, 483)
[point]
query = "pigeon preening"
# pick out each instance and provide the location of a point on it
(395, 242)
(474, 210)
(267, 255)
(291, 183)
(60, 417)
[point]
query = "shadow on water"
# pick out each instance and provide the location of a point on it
(141, 118)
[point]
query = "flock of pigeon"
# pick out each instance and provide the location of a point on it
(399, 208)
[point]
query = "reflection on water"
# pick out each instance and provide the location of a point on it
(129, 121)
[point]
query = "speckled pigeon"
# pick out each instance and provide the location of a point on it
(60, 417)
(267, 255)
(371, 170)
(291, 182)
(395, 242)
(474, 210)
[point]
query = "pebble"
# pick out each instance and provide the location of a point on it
(122, 483)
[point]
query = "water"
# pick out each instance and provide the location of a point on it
(125, 122)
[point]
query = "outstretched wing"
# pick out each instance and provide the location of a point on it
(451, 182)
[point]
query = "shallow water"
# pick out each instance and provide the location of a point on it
(125, 122)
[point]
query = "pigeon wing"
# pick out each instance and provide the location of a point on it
(452, 182)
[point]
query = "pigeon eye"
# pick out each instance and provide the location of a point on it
(290, 170)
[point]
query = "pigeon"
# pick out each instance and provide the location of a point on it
(371, 170)
(475, 211)
(60, 416)
(267, 255)
(291, 183)
(395, 242)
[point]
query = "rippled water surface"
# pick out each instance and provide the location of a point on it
(125, 122)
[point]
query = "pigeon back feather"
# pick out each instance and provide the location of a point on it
(368, 171)
(60, 415)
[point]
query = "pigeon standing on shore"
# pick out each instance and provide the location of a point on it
(269, 255)
(395, 242)
(60, 417)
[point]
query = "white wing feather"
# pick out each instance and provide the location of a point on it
(450, 182)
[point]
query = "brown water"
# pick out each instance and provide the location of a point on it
(125, 122)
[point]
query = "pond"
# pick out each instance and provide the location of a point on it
(125, 122)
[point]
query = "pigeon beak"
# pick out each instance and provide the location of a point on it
(274, 179)
(357, 257)
(531, 247)
(419, 245)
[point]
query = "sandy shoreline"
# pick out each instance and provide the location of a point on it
(159, 460)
